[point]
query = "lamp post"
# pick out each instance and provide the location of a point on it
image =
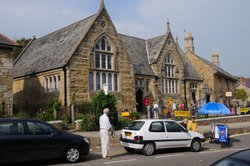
(3, 107)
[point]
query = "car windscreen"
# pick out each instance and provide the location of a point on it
(136, 125)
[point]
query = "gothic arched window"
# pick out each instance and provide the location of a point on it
(104, 71)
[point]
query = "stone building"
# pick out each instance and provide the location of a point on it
(75, 61)
(218, 85)
(6, 71)
(78, 59)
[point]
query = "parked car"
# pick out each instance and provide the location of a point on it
(151, 134)
(30, 139)
(240, 158)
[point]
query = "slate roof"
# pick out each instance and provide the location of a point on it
(5, 41)
(190, 73)
(53, 50)
(154, 47)
(218, 69)
(137, 51)
(248, 82)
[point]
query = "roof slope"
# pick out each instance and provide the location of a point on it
(137, 51)
(190, 73)
(218, 69)
(57, 46)
(7, 41)
(154, 47)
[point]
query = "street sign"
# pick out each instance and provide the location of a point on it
(105, 89)
(229, 94)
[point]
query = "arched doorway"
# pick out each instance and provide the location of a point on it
(194, 97)
(139, 101)
(207, 98)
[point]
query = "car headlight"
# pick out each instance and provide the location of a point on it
(86, 140)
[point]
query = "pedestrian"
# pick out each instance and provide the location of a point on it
(182, 106)
(105, 128)
(184, 123)
(155, 111)
(192, 125)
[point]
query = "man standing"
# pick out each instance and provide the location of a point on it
(105, 127)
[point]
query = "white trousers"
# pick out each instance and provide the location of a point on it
(105, 142)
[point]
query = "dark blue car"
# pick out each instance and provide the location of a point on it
(241, 158)
(29, 139)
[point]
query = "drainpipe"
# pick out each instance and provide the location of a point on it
(185, 94)
(65, 86)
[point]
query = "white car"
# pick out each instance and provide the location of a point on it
(149, 135)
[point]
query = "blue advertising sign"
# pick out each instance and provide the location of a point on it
(222, 131)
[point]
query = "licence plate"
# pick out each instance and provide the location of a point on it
(127, 134)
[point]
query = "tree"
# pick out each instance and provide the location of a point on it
(241, 94)
(16, 51)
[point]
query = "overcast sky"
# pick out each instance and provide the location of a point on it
(216, 25)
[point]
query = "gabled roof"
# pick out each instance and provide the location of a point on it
(5, 41)
(154, 47)
(190, 73)
(53, 50)
(217, 69)
(137, 52)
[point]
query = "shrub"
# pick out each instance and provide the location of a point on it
(101, 101)
(89, 122)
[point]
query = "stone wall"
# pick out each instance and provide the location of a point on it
(169, 47)
(78, 68)
(31, 90)
(224, 120)
(6, 80)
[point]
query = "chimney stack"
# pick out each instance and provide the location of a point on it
(189, 45)
(215, 58)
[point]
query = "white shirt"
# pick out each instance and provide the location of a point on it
(104, 122)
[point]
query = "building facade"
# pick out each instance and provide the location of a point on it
(6, 72)
(218, 85)
(79, 59)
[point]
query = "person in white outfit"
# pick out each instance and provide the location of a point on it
(105, 127)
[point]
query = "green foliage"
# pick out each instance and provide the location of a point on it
(16, 51)
(85, 107)
(48, 113)
(89, 123)
(123, 122)
(101, 101)
(241, 94)
(135, 115)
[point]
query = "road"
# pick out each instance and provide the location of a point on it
(170, 157)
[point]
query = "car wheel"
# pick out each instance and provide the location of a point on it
(73, 154)
(148, 149)
(129, 150)
(196, 145)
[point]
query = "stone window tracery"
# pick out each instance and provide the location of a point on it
(105, 70)
(52, 83)
(170, 84)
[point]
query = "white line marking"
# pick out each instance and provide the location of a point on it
(157, 157)
(119, 161)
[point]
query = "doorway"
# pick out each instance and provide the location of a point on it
(139, 101)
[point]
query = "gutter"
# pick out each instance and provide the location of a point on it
(65, 86)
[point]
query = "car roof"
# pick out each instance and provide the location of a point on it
(241, 155)
(16, 119)
(153, 120)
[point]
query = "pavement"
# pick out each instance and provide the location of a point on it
(234, 128)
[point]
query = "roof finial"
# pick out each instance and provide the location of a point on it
(177, 40)
(168, 27)
(102, 4)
